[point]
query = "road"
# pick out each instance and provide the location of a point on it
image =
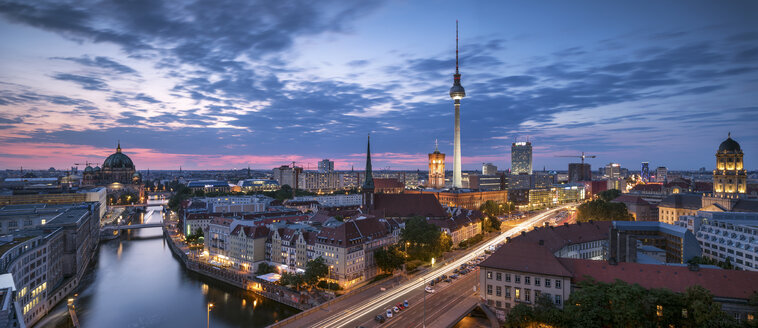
(363, 312)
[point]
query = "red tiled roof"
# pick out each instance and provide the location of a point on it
(382, 183)
(221, 221)
(526, 256)
(722, 283)
(408, 205)
(556, 237)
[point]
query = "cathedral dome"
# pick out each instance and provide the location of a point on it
(88, 169)
(729, 145)
(118, 160)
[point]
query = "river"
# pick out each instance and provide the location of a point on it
(135, 281)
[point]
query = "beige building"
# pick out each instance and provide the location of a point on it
(461, 225)
(247, 247)
(729, 177)
(676, 205)
(436, 169)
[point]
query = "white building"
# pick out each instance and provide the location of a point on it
(334, 200)
(726, 236)
(489, 169)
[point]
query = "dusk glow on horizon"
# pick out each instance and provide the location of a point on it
(222, 85)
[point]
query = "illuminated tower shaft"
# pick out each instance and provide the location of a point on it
(457, 93)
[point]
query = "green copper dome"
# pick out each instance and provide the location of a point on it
(118, 160)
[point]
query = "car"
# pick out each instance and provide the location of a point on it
(405, 303)
(454, 276)
(389, 313)
(429, 290)
(448, 280)
(444, 277)
(379, 318)
(431, 283)
(400, 306)
(396, 309)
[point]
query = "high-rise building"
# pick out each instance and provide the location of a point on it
(436, 169)
(521, 157)
(612, 171)
(457, 93)
(645, 172)
(729, 177)
(489, 169)
(326, 166)
(579, 172)
(660, 174)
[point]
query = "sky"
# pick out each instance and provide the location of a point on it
(231, 84)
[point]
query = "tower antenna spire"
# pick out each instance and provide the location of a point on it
(456, 46)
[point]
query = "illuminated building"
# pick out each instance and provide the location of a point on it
(116, 168)
(612, 171)
(457, 93)
(645, 172)
(729, 177)
(521, 158)
(436, 169)
(661, 174)
(325, 166)
(471, 200)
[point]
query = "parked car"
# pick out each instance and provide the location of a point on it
(396, 309)
(379, 318)
(444, 277)
(400, 306)
(429, 290)
(448, 280)
(431, 283)
(389, 313)
(405, 303)
(454, 276)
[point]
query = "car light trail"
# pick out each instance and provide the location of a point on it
(341, 319)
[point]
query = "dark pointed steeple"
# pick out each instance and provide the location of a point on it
(368, 183)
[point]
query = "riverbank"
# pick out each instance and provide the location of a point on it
(259, 287)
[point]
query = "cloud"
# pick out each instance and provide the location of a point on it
(100, 62)
(86, 82)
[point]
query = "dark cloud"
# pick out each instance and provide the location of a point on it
(86, 82)
(101, 62)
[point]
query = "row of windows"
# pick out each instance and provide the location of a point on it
(526, 296)
(527, 279)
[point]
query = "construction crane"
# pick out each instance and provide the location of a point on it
(86, 163)
(582, 156)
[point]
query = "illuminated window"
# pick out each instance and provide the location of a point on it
(517, 294)
(659, 310)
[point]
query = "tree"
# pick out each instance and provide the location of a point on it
(600, 210)
(521, 315)
(609, 195)
(389, 259)
(702, 311)
(425, 240)
(291, 279)
(315, 270)
(265, 268)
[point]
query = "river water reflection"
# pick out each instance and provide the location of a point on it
(137, 282)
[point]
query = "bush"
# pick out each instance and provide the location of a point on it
(411, 266)
(471, 241)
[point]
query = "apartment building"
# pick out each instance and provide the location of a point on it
(726, 236)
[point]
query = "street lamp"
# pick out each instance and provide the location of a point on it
(210, 306)
(432, 262)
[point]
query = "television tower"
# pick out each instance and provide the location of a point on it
(457, 93)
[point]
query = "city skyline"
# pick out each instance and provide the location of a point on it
(662, 83)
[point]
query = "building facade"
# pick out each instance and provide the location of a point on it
(521, 158)
(489, 169)
(579, 172)
(726, 237)
(729, 177)
(436, 169)
(325, 166)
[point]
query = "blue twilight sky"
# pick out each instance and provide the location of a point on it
(227, 84)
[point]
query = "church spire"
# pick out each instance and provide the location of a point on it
(368, 183)
(118, 148)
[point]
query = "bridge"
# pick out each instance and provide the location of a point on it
(155, 215)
